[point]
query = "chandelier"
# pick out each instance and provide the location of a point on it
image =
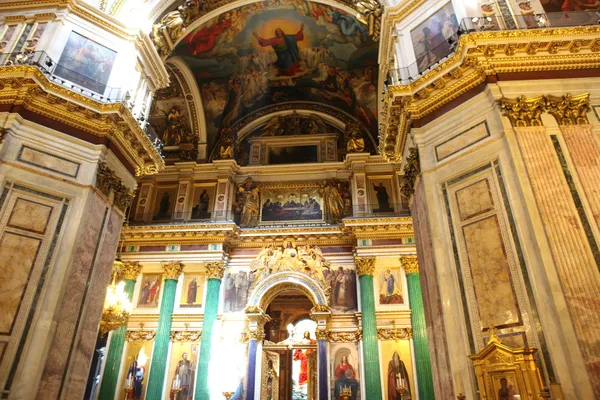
(117, 305)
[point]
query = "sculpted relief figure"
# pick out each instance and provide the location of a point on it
(249, 194)
(176, 130)
(337, 199)
(355, 142)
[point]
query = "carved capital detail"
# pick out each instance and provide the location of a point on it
(322, 334)
(130, 270)
(140, 336)
(523, 111)
(108, 182)
(569, 109)
(172, 269)
(394, 334)
(258, 334)
(365, 265)
(215, 269)
(410, 264)
(412, 169)
(186, 336)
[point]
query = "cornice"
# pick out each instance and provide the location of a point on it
(478, 56)
(159, 75)
(29, 88)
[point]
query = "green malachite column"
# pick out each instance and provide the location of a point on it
(110, 377)
(365, 267)
(214, 273)
(160, 350)
(423, 363)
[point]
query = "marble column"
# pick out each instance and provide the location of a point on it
(110, 376)
(256, 333)
(417, 317)
(158, 367)
(365, 266)
(321, 315)
(214, 273)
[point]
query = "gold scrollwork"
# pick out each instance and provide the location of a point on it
(365, 265)
(253, 310)
(322, 334)
(345, 337)
(569, 109)
(215, 269)
(140, 336)
(172, 269)
(523, 111)
(410, 264)
(108, 182)
(412, 169)
(394, 334)
(186, 336)
(258, 334)
(320, 308)
(130, 270)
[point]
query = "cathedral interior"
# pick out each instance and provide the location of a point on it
(300, 199)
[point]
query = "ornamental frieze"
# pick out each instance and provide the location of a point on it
(140, 336)
(186, 336)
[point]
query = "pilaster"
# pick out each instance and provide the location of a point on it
(158, 368)
(225, 189)
(214, 274)
(184, 191)
(365, 267)
(256, 333)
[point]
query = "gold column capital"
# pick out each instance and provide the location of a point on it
(215, 269)
(130, 270)
(322, 334)
(172, 269)
(257, 334)
(410, 264)
(365, 265)
(523, 111)
(569, 109)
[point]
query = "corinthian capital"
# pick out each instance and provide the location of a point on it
(215, 269)
(172, 269)
(130, 270)
(569, 109)
(410, 264)
(523, 111)
(365, 265)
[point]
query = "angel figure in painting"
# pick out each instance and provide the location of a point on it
(286, 48)
(302, 356)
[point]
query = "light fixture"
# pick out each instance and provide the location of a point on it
(117, 305)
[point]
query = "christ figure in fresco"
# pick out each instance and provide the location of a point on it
(302, 356)
(286, 48)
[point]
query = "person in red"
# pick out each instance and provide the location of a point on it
(154, 290)
(302, 356)
(340, 370)
(204, 39)
(286, 48)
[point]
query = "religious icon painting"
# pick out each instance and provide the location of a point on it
(505, 386)
(381, 194)
(342, 281)
(150, 290)
(397, 369)
(345, 376)
(164, 203)
(235, 291)
(182, 371)
(204, 198)
(390, 286)
(134, 370)
(192, 290)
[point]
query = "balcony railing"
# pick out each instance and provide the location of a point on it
(444, 50)
(62, 75)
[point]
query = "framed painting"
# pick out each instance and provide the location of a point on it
(345, 370)
(235, 291)
(343, 289)
(291, 204)
(182, 371)
(293, 154)
(397, 370)
(164, 202)
(390, 286)
(150, 290)
(192, 290)
(203, 201)
(505, 386)
(86, 63)
(135, 369)
(381, 194)
(431, 38)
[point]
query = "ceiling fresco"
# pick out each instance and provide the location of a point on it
(282, 51)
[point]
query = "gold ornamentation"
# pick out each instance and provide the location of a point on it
(394, 334)
(370, 12)
(365, 265)
(108, 182)
(140, 336)
(569, 109)
(258, 334)
(186, 336)
(412, 169)
(172, 269)
(27, 86)
(322, 334)
(130, 270)
(227, 145)
(253, 310)
(410, 264)
(523, 111)
(345, 337)
(215, 269)
(320, 308)
(355, 143)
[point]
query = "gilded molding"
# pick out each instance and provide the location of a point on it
(365, 265)
(108, 182)
(258, 334)
(412, 169)
(253, 310)
(322, 334)
(394, 333)
(215, 269)
(321, 308)
(172, 269)
(410, 264)
(130, 270)
(569, 109)
(523, 111)
(344, 337)
(140, 336)
(28, 87)
(186, 336)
